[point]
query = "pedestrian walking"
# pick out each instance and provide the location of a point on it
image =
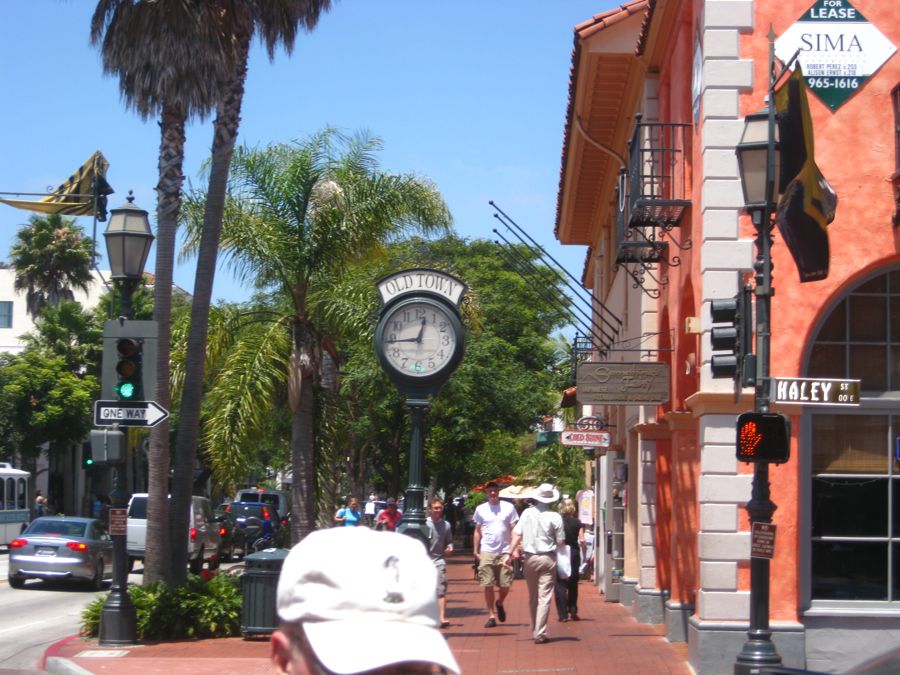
(440, 545)
(350, 515)
(567, 589)
(389, 516)
(536, 537)
(494, 520)
(369, 609)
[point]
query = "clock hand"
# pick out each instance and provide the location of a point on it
(403, 340)
(421, 331)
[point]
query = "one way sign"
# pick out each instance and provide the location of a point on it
(128, 413)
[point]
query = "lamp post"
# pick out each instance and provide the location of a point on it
(128, 240)
(758, 164)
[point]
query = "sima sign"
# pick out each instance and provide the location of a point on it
(839, 49)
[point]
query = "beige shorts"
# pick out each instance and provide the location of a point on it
(442, 580)
(492, 571)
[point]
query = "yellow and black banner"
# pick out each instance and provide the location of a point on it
(84, 191)
(808, 202)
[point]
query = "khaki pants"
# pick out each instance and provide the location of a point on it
(540, 575)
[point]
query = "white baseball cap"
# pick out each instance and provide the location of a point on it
(366, 599)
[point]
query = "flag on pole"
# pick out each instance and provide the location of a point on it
(808, 202)
(83, 194)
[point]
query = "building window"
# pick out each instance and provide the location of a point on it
(855, 473)
(6, 314)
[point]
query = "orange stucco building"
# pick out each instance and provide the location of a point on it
(649, 181)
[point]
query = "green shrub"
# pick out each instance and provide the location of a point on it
(197, 609)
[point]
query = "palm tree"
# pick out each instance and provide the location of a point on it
(277, 22)
(171, 57)
(51, 256)
(296, 216)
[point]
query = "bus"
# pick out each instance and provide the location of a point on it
(14, 502)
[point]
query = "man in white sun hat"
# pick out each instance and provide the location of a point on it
(540, 532)
(353, 600)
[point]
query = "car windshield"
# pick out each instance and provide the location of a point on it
(58, 528)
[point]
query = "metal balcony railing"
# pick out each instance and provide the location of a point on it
(657, 175)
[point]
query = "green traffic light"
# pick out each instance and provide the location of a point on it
(125, 390)
(88, 461)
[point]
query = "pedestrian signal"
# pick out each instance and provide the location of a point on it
(763, 437)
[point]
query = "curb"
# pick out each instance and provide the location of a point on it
(61, 666)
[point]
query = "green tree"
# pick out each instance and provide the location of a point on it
(51, 257)
(297, 215)
(68, 331)
(42, 401)
(509, 377)
(171, 57)
(277, 22)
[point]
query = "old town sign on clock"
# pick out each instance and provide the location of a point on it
(839, 49)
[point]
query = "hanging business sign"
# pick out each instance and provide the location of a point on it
(839, 49)
(622, 383)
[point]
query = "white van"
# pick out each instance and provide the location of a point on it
(203, 538)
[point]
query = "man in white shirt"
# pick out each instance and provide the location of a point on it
(540, 532)
(494, 520)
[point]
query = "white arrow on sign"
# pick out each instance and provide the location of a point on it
(128, 413)
(588, 439)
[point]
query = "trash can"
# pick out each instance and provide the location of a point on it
(259, 584)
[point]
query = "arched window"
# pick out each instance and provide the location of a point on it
(854, 455)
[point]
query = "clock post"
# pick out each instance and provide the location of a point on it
(419, 341)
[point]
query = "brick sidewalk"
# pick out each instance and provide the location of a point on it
(606, 640)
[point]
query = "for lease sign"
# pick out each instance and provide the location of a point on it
(839, 49)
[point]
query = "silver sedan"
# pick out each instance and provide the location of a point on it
(63, 548)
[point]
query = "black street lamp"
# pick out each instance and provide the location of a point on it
(128, 240)
(758, 164)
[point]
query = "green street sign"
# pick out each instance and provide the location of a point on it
(839, 49)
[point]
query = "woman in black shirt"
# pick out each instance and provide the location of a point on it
(567, 589)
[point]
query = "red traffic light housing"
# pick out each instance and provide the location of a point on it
(763, 437)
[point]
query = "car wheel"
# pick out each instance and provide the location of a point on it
(16, 582)
(196, 564)
(97, 581)
(130, 565)
(228, 553)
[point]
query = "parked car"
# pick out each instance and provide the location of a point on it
(61, 548)
(255, 521)
(233, 538)
(203, 536)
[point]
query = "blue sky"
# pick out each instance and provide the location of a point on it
(471, 94)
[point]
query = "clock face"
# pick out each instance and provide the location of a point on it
(420, 338)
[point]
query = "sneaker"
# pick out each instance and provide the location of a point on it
(541, 640)
(490, 623)
(574, 616)
(501, 612)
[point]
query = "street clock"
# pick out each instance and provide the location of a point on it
(419, 339)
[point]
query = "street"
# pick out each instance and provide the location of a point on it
(35, 617)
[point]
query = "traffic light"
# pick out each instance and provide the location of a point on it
(763, 437)
(87, 456)
(129, 360)
(734, 337)
(129, 355)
